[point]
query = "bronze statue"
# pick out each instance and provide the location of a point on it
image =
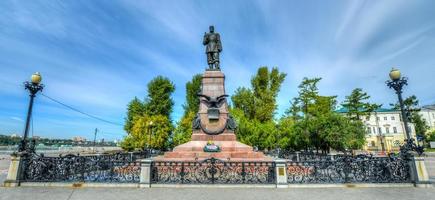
(212, 41)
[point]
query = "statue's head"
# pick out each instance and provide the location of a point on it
(211, 29)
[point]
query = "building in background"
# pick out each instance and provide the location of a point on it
(428, 114)
(385, 130)
(79, 139)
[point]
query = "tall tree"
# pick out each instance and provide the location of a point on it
(193, 87)
(316, 125)
(134, 109)
(159, 101)
(412, 109)
(183, 131)
(149, 131)
(308, 93)
(263, 135)
(254, 109)
(294, 111)
(244, 100)
(259, 102)
(357, 104)
(156, 108)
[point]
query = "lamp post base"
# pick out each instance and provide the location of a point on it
(12, 179)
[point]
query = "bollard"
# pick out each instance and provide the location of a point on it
(12, 179)
(281, 173)
(145, 173)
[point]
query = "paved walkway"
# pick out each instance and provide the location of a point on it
(430, 166)
(38, 193)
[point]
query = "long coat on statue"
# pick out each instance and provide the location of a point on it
(213, 42)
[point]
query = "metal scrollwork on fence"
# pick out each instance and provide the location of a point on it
(303, 156)
(213, 171)
(119, 168)
(349, 169)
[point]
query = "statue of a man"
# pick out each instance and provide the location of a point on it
(212, 41)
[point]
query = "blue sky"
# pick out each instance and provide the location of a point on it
(97, 55)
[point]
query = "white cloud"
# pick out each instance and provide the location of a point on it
(17, 119)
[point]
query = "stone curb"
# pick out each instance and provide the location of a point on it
(290, 186)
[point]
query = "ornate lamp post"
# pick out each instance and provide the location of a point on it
(34, 86)
(397, 82)
(150, 133)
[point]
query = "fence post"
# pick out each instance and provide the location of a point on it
(422, 178)
(13, 177)
(145, 173)
(281, 173)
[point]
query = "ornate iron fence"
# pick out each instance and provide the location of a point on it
(213, 171)
(120, 168)
(349, 169)
(304, 156)
(124, 168)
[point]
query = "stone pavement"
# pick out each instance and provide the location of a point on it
(430, 166)
(4, 166)
(39, 193)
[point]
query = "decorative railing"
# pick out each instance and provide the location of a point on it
(304, 156)
(120, 168)
(126, 168)
(213, 171)
(348, 169)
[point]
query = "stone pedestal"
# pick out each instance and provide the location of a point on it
(12, 179)
(281, 173)
(213, 126)
(422, 175)
(145, 173)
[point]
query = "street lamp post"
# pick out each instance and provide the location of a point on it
(150, 133)
(397, 82)
(34, 86)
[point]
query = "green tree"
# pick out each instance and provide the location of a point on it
(193, 87)
(288, 137)
(357, 104)
(316, 125)
(134, 109)
(259, 101)
(340, 133)
(294, 112)
(156, 108)
(430, 137)
(263, 135)
(183, 131)
(301, 110)
(301, 106)
(159, 101)
(254, 109)
(148, 131)
(412, 108)
(244, 100)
